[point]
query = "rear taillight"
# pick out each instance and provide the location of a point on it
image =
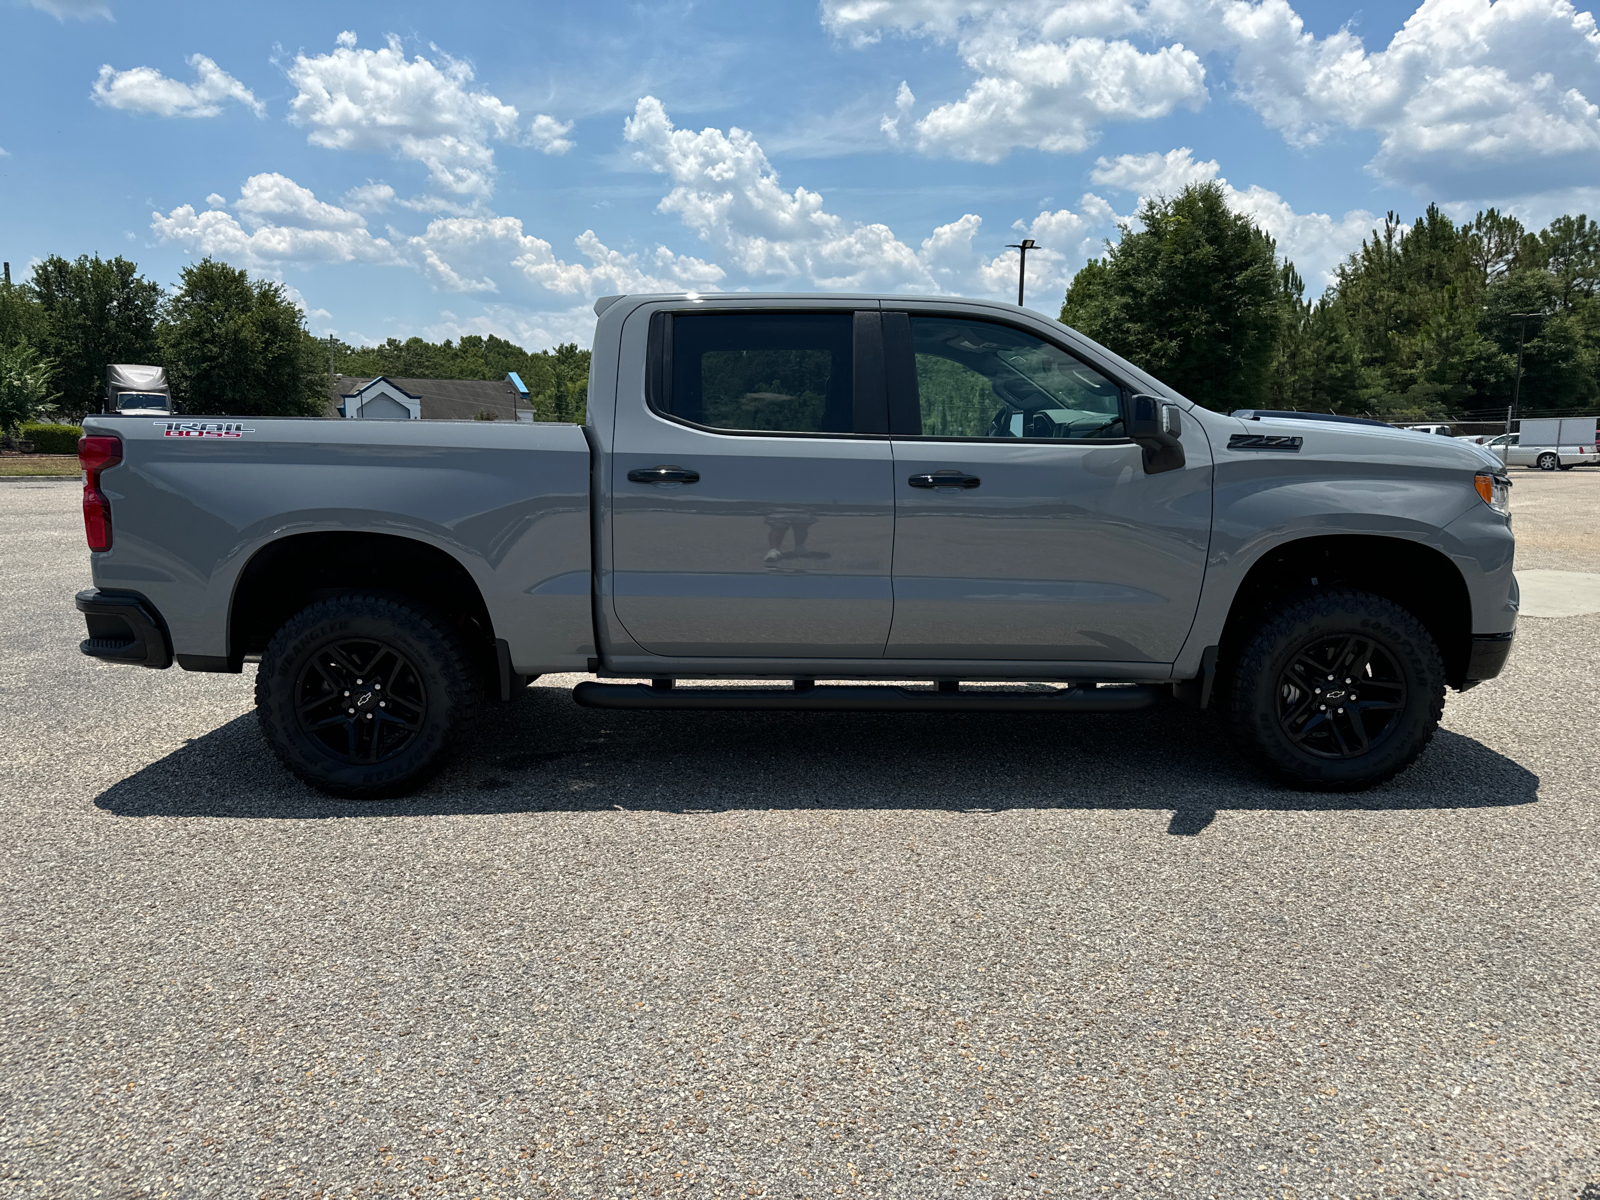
(96, 454)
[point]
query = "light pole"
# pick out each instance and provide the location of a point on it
(1516, 382)
(1024, 245)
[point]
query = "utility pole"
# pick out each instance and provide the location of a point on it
(1024, 245)
(1516, 383)
(8, 274)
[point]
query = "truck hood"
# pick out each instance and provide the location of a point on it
(1356, 440)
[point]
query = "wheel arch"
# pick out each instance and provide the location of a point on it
(1417, 577)
(290, 572)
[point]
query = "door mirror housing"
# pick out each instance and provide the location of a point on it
(1156, 426)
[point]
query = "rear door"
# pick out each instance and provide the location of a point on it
(753, 506)
(1026, 524)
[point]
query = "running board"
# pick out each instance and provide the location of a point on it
(804, 698)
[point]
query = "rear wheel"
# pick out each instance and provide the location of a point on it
(1548, 462)
(1338, 691)
(365, 696)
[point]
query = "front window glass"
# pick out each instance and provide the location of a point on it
(763, 372)
(976, 379)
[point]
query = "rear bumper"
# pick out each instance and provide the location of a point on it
(124, 627)
(1488, 656)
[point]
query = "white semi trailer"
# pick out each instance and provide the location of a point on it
(137, 391)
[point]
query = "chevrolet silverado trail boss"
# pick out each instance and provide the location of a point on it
(793, 488)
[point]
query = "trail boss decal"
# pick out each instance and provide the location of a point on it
(203, 429)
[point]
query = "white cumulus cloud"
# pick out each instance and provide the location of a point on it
(279, 223)
(467, 254)
(1054, 96)
(726, 190)
(145, 89)
(1316, 242)
(369, 198)
(550, 135)
(276, 223)
(1465, 90)
(378, 100)
(1048, 75)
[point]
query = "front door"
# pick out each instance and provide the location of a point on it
(1026, 525)
(748, 516)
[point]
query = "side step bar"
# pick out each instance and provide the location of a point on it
(867, 698)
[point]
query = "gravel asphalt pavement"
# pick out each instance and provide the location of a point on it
(791, 955)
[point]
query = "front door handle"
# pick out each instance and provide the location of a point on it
(663, 475)
(945, 479)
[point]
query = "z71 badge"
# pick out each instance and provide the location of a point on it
(204, 429)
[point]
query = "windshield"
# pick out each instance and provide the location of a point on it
(142, 400)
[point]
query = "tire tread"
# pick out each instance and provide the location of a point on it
(1255, 728)
(464, 692)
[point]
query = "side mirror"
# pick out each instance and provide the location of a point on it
(1156, 425)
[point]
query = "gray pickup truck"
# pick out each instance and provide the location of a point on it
(944, 493)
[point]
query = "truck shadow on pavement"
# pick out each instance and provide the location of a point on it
(542, 753)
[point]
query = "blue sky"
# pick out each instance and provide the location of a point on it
(438, 170)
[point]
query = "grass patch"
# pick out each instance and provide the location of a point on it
(39, 464)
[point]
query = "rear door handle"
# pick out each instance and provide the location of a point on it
(944, 479)
(663, 475)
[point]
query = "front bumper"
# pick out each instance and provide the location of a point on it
(124, 627)
(1488, 656)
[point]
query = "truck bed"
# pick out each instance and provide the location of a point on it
(195, 499)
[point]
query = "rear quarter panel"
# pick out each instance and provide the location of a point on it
(510, 502)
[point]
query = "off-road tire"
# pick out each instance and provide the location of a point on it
(441, 670)
(1257, 685)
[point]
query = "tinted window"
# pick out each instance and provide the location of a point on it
(978, 379)
(767, 372)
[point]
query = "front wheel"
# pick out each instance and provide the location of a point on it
(1548, 462)
(364, 696)
(1338, 691)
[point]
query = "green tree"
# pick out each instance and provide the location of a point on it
(93, 311)
(569, 393)
(1570, 250)
(235, 346)
(1194, 297)
(21, 318)
(1562, 352)
(1492, 241)
(557, 380)
(24, 387)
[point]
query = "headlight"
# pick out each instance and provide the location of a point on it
(1495, 490)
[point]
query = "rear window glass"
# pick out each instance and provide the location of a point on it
(762, 372)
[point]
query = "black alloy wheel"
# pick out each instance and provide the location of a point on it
(1335, 690)
(1340, 696)
(362, 699)
(367, 694)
